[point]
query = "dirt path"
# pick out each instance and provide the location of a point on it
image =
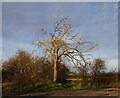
(103, 92)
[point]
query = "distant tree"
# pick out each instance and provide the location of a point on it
(99, 66)
(98, 72)
(62, 44)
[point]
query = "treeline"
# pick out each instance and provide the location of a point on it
(23, 69)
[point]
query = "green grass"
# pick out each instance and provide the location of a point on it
(41, 87)
(44, 86)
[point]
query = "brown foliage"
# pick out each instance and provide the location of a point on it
(23, 69)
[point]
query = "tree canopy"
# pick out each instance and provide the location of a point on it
(64, 43)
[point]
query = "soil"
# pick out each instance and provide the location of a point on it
(100, 92)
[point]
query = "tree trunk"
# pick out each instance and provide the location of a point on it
(55, 71)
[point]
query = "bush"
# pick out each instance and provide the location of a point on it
(23, 69)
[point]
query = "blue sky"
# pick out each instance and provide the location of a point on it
(97, 22)
(60, 0)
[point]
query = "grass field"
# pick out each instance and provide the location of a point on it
(99, 92)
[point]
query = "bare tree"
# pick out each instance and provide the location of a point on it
(62, 43)
(98, 71)
(98, 66)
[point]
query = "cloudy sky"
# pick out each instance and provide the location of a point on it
(60, 0)
(97, 22)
